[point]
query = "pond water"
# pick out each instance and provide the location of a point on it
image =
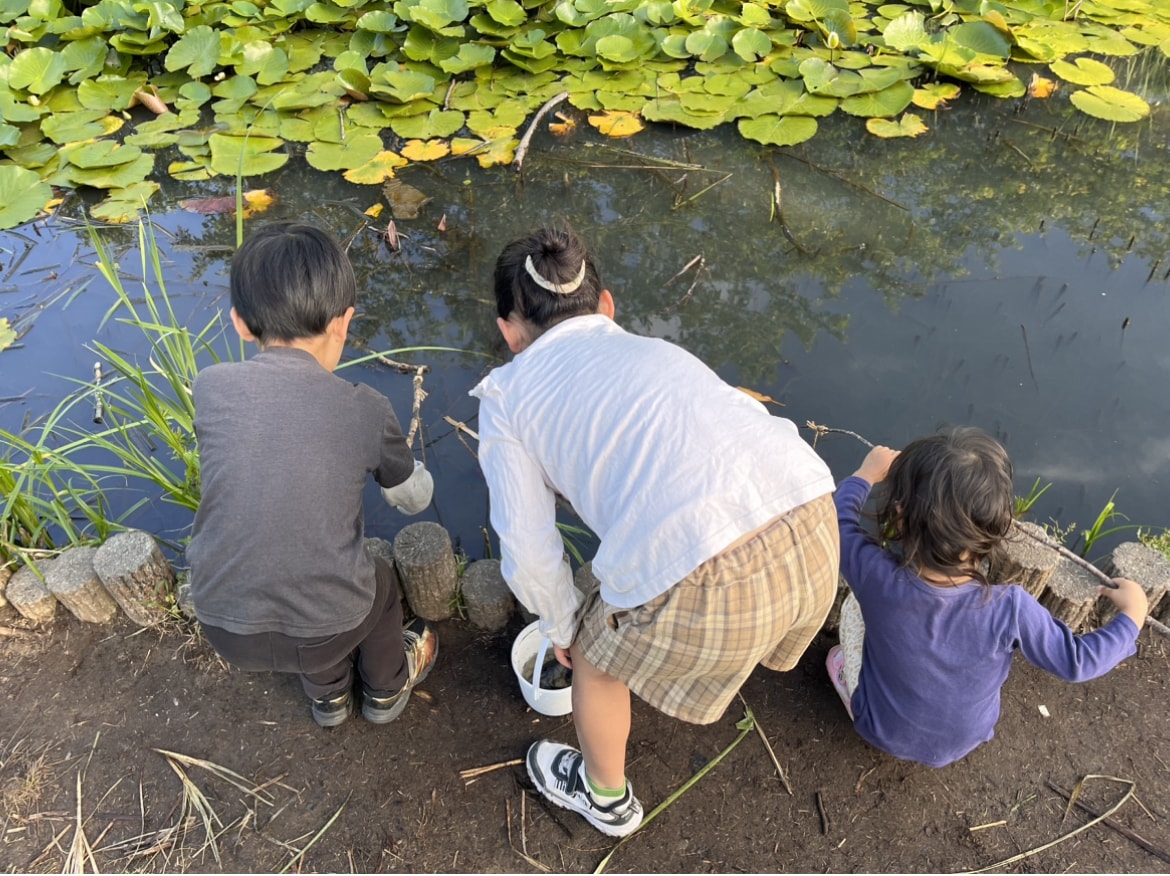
(1007, 270)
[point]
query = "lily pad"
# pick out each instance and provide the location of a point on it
(778, 130)
(377, 170)
(880, 104)
(197, 52)
(235, 155)
(1083, 71)
(22, 195)
(909, 125)
(36, 70)
(1111, 104)
(354, 151)
(7, 334)
(125, 205)
(617, 124)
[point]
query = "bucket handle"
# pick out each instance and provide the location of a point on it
(537, 690)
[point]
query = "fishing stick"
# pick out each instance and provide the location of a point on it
(1101, 577)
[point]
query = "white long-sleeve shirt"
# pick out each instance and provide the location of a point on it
(663, 460)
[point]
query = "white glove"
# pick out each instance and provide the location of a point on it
(413, 494)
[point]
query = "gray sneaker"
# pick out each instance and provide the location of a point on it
(422, 647)
(559, 772)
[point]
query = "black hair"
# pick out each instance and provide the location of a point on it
(557, 256)
(289, 280)
(948, 502)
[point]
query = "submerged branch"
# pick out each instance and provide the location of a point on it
(522, 149)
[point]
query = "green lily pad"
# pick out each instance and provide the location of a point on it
(909, 125)
(197, 52)
(469, 57)
(778, 130)
(356, 150)
(880, 104)
(72, 127)
(1111, 104)
(1083, 71)
(751, 44)
(102, 153)
(982, 38)
(9, 135)
(85, 58)
(117, 177)
(436, 123)
(671, 110)
(507, 12)
(22, 195)
(125, 205)
(109, 92)
(236, 155)
(36, 70)
(267, 63)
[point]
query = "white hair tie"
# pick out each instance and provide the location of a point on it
(556, 288)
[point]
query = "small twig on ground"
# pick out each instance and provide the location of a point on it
(1109, 822)
(1000, 823)
(475, 772)
(522, 149)
(1071, 833)
(823, 814)
(328, 824)
(767, 745)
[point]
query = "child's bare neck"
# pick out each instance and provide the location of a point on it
(936, 578)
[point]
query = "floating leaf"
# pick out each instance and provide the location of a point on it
(779, 130)
(377, 170)
(103, 153)
(36, 70)
(7, 334)
(354, 151)
(885, 103)
(751, 44)
(1039, 87)
(906, 32)
(1111, 104)
(425, 150)
(197, 52)
(22, 195)
(114, 177)
(934, 94)
(1083, 71)
(489, 153)
(910, 125)
(374, 210)
(981, 37)
(436, 123)
(617, 124)
(243, 155)
(124, 205)
(405, 201)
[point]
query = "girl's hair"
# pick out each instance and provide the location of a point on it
(948, 501)
(546, 277)
(288, 280)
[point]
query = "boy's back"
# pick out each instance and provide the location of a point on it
(286, 448)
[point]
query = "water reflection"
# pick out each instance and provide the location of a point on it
(1003, 271)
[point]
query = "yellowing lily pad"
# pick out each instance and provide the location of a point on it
(426, 150)
(934, 94)
(617, 124)
(377, 170)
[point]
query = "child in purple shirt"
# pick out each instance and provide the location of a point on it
(926, 642)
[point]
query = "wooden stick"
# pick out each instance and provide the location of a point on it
(768, 746)
(1158, 627)
(475, 772)
(1109, 822)
(522, 149)
(824, 815)
(1101, 577)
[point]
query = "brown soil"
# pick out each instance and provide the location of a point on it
(88, 709)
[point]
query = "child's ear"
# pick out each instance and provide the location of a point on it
(339, 325)
(605, 304)
(514, 334)
(242, 329)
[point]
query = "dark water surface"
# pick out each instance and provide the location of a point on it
(1007, 270)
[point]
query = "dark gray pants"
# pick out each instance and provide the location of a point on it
(325, 663)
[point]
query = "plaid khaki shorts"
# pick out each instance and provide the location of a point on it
(688, 651)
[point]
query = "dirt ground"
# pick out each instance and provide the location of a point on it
(88, 711)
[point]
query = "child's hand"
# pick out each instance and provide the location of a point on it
(1129, 598)
(876, 464)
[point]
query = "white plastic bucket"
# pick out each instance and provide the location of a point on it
(530, 643)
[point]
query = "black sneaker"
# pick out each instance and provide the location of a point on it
(422, 648)
(559, 772)
(331, 710)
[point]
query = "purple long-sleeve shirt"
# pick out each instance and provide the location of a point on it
(935, 658)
